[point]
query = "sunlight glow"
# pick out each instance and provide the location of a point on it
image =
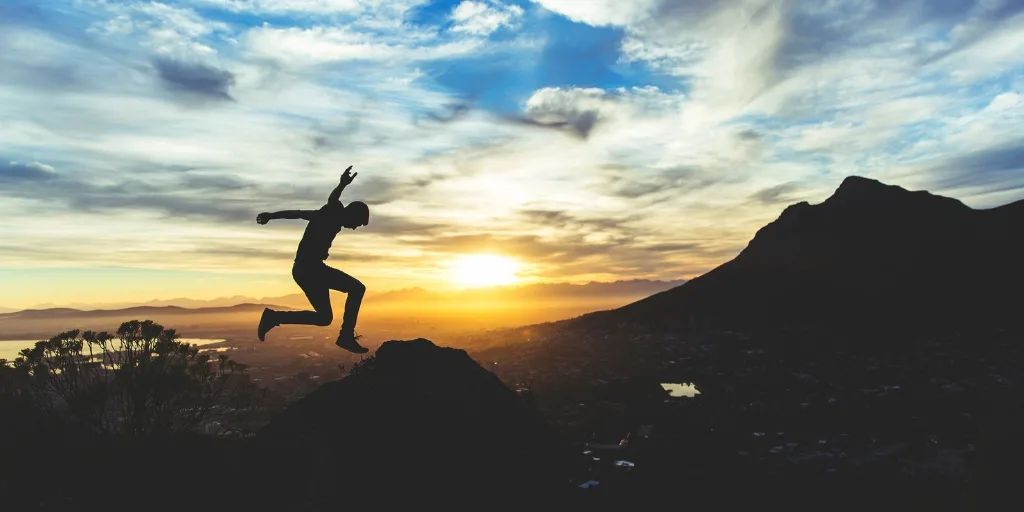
(477, 270)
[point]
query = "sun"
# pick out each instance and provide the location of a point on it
(478, 270)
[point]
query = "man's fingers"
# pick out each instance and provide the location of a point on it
(355, 174)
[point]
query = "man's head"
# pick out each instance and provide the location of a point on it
(356, 214)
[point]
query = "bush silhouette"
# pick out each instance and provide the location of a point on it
(140, 380)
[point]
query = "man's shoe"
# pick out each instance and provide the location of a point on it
(266, 323)
(347, 341)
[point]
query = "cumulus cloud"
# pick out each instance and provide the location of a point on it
(577, 109)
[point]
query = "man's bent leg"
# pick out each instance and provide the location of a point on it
(355, 290)
(314, 284)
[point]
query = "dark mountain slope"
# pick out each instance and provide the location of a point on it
(871, 255)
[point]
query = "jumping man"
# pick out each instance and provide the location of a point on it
(313, 275)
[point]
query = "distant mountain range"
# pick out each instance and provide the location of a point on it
(627, 290)
(132, 312)
(180, 302)
(870, 256)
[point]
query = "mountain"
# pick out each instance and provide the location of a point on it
(415, 420)
(596, 291)
(180, 302)
(554, 292)
(871, 255)
(213, 303)
(132, 312)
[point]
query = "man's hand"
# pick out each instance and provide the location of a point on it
(347, 178)
(263, 218)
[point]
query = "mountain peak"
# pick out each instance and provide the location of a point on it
(861, 191)
(861, 187)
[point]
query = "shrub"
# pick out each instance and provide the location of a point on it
(140, 380)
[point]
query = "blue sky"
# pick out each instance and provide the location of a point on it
(592, 140)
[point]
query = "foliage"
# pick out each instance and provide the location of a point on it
(14, 389)
(364, 366)
(140, 380)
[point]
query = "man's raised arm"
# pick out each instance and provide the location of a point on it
(266, 217)
(346, 178)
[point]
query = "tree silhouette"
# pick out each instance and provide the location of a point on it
(140, 380)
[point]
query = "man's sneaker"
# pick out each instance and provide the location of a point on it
(347, 341)
(266, 323)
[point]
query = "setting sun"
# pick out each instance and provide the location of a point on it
(476, 270)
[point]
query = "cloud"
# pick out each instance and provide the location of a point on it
(189, 196)
(602, 12)
(734, 51)
(319, 45)
(483, 18)
(217, 182)
(666, 182)
(196, 80)
(778, 194)
(614, 225)
(166, 30)
(992, 169)
(247, 253)
(366, 8)
(35, 171)
(451, 112)
(580, 111)
(575, 255)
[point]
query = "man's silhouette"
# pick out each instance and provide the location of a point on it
(314, 276)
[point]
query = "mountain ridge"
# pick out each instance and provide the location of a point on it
(869, 254)
(619, 288)
(137, 310)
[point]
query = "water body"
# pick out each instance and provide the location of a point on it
(687, 389)
(9, 348)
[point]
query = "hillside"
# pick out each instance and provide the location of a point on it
(870, 255)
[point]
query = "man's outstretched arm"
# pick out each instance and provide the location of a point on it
(346, 178)
(266, 217)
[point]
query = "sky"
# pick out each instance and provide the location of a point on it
(586, 140)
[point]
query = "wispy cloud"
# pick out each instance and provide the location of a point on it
(484, 18)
